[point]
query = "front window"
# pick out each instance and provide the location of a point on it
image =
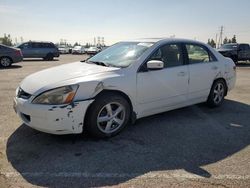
(170, 55)
(121, 54)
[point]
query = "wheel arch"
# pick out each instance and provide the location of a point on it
(117, 92)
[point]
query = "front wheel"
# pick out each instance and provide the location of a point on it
(217, 94)
(108, 115)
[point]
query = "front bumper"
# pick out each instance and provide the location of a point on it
(54, 119)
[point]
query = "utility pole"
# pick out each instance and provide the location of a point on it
(221, 35)
(216, 41)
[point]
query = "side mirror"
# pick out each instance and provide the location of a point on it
(155, 65)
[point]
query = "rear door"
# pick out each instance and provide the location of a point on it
(203, 68)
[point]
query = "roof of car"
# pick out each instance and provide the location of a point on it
(155, 40)
(39, 41)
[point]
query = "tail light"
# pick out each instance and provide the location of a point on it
(18, 53)
(234, 67)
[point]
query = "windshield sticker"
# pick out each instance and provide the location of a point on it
(145, 44)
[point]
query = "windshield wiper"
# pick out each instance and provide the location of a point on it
(98, 63)
(102, 63)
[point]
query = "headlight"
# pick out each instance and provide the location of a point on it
(62, 95)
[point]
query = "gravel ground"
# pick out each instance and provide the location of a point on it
(189, 147)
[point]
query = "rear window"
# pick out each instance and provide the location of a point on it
(199, 54)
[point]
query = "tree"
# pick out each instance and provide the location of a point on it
(87, 45)
(234, 39)
(225, 41)
(229, 41)
(6, 40)
(211, 43)
(76, 44)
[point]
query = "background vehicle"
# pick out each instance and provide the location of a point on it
(237, 52)
(127, 81)
(45, 50)
(64, 49)
(9, 55)
(78, 50)
(92, 50)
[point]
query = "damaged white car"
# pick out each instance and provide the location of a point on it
(126, 81)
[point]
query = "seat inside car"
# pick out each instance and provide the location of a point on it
(170, 56)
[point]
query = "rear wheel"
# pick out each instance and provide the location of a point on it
(217, 94)
(49, 57)
(108, 115)
(5, 62)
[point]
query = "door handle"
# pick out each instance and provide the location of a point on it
(181, 74)
(214, 67)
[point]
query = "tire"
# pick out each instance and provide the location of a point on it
(107, 115)
(5, 62)
(49, 57)
(217, 93)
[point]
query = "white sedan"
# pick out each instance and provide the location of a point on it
(126, 81)
(78, 50)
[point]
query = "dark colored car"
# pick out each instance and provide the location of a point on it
(9, 55)
(45, 50)
(237, 52)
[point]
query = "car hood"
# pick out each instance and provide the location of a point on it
(42, 80)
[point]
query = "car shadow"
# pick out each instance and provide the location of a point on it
(11, 67)
(187, 138)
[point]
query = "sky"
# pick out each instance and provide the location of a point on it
(117, 20)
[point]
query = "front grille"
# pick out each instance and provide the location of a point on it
(22, 94)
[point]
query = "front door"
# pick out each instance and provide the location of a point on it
(158, 89)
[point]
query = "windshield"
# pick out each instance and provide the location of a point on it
(229, 46)
(121, 54)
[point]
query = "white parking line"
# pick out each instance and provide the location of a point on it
(168, 175)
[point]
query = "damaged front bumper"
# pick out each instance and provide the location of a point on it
(54, 119)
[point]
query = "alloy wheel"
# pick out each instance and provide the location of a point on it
(5, 62)
(111, 117)
(218, 93)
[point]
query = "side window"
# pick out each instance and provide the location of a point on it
(50, 45)
(198, 54)
(170, 54)
(244, 47)
(36, 45)
(25, 46)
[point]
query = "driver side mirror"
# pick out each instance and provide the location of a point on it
(155, 65)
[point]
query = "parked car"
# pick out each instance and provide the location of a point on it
(64, 49)
(237, 52)
(45, 50)
(9, 55)
(125, 82)
(92, 50)
(78, 50)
